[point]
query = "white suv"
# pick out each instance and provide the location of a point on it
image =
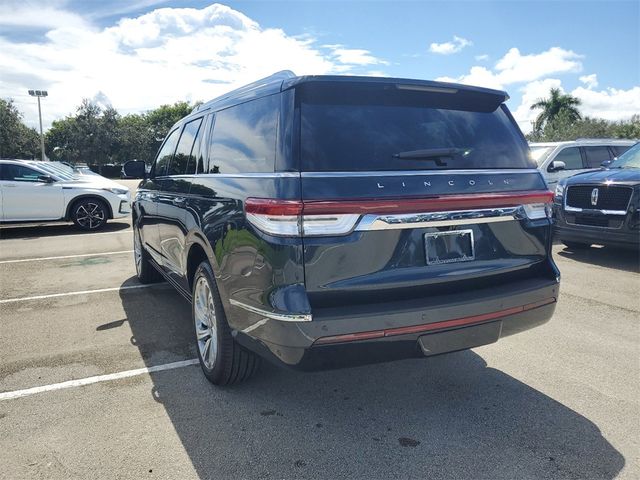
(47, 191)
(558, 160)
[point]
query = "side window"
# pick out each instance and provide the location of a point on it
(619, 149)
(244, 137)
(596, 155)
(184, 156)
(203, 135)
(19, 173)
(165, 153)
(571, 157)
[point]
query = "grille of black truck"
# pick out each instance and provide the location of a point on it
(606, 198)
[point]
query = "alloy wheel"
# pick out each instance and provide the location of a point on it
(90, 215)
(204, 316)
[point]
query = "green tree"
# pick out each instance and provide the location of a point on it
(557, 104)
(564, 128)
(16, 139)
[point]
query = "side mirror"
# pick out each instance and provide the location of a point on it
(134, 169)
(45, 179)
(606, 163)
(556, 166)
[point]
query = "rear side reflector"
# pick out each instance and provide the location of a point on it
(428, 327)
(339, 217)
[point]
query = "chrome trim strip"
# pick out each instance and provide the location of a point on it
(394, 173)
(283, 317)
(440, 219)
(238, 175)
(567, 208)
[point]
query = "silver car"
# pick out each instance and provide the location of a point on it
(558, 160)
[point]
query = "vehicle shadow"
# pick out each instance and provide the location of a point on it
(446, 417)
(610, 257)
(35, 231)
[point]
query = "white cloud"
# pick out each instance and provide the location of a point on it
(447, 48)
(514, 67)
(38, 15)
(166, 55)
(355, 56)
(590, 81)
(610, 104)
(481, 58)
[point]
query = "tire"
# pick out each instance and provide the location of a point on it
(223, 361)
(576, 245)
(89, 214)
(145, 271)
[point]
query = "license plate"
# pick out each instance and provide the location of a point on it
(449, 247)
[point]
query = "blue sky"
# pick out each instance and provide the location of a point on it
(138, 54)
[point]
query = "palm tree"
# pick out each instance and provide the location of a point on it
(557, 103)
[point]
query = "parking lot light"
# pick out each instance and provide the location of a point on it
(38, 94)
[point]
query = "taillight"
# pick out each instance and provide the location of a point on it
(339, 217)
(288, 218)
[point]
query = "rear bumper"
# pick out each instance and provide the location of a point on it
(344, 337)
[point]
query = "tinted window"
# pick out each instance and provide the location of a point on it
(571, 158)
(165, 153)
(244, 137)
(366, 128)
(596, 155)
(620, 149)
(183, 161)
(19, 173)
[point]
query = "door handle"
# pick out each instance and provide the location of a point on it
(9, 184)
(179, 201)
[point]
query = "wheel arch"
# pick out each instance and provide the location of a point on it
(198, 250)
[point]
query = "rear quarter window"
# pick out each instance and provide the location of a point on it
(244, 137)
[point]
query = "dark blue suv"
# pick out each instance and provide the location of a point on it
(326, 221)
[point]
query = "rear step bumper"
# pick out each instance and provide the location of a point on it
(345, 337)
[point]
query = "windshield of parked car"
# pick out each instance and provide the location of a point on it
(540, 153)
(381, 127)
(629, 159)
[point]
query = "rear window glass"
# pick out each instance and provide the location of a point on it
(596, 155)
(378, 128)
(620, 149)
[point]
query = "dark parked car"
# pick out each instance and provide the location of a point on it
(601, 207)
(327, 221)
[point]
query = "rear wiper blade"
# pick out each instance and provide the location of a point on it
(429, 154)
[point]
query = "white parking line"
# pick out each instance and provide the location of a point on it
(99, 378)
(81, 292)
(20, 260)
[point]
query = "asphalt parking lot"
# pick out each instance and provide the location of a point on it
(560, 401)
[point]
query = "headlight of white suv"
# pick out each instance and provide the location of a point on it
(117, 191)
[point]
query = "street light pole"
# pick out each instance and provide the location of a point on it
(38, 94)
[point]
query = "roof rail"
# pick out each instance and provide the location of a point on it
(277, 77)
(599, 139)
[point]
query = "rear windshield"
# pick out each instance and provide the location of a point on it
(382, 128)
